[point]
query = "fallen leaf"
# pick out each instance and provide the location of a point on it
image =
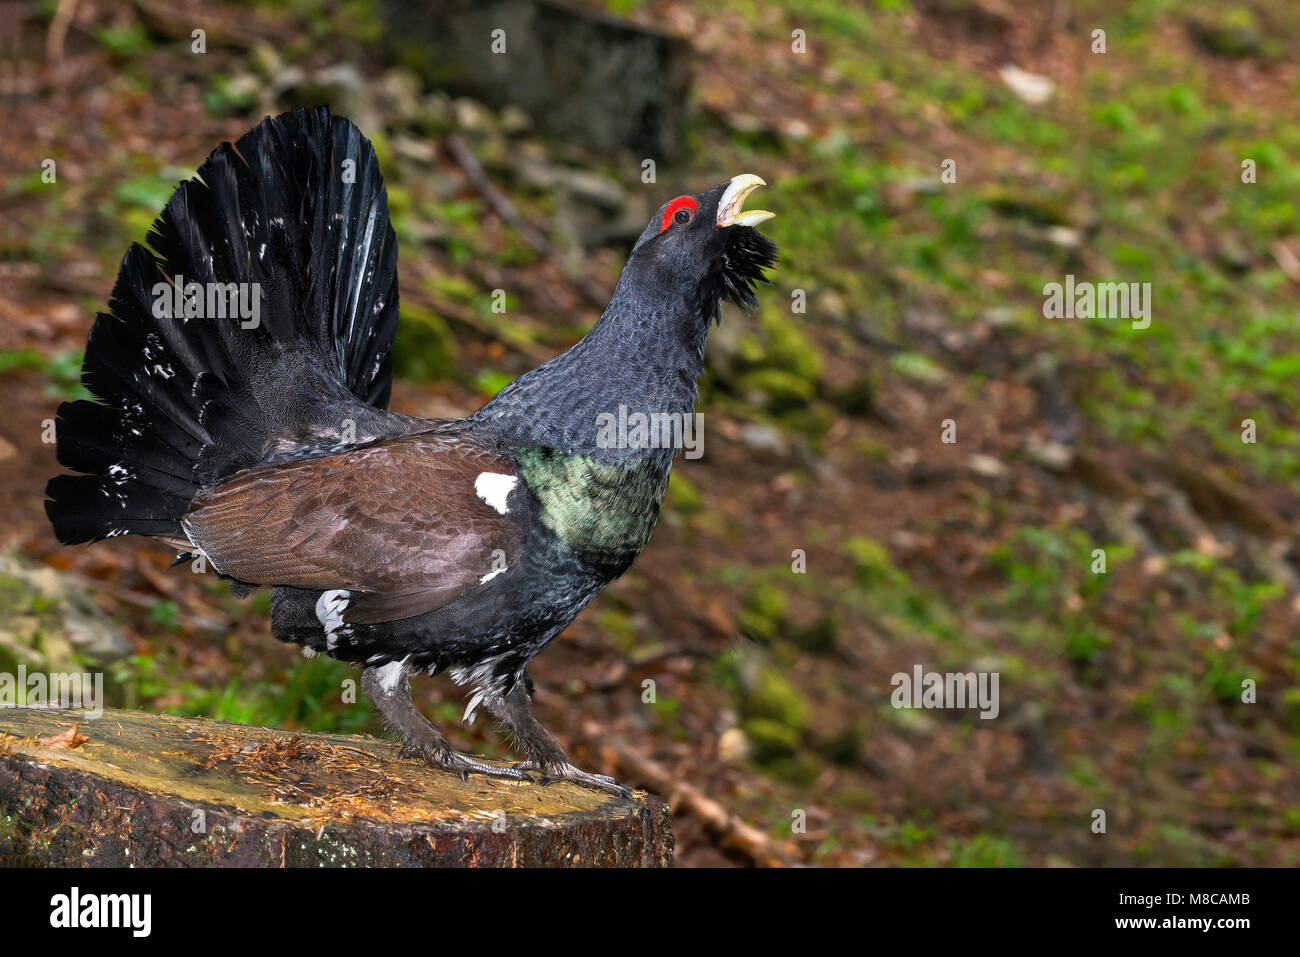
(65, 740)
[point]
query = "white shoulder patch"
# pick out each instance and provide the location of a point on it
(493, 487)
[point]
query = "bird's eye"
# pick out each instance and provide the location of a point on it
(680, 212)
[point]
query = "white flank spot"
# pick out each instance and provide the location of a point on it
(489, 576)
(329, 610)
(493, 487)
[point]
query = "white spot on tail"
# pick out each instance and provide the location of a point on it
(493, 488)
(489, 576)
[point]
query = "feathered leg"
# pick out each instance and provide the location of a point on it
(545, 755)
(388, 687)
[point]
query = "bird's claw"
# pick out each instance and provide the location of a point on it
(552, 773)
(462, 765)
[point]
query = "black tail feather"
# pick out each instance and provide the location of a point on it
(297, 210)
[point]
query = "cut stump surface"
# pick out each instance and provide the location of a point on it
(150, 790)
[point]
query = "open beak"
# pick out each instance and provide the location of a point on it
(729, 207)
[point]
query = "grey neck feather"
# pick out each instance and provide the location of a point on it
(645, 353)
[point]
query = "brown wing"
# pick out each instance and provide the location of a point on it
(401, 521)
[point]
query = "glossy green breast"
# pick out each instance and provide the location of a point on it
(603, 513)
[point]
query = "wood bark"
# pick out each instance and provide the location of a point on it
(145, 790)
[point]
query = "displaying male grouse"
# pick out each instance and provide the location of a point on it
(399, 543)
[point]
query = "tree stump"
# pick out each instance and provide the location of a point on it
(146, 790)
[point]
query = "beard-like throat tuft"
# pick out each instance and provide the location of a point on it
(738, 272)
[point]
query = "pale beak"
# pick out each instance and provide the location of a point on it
(729, 207)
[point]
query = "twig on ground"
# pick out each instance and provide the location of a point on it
(725, 827)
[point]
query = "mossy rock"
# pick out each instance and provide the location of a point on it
(812, 421)
(739, 349)
(771, 740)
(767, 694)
(775, 390)
(47, 624)
(1231, 32)
(788, 348)
(763, 617)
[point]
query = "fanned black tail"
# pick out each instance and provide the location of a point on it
(294, 215)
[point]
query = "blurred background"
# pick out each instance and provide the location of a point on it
(933, 164)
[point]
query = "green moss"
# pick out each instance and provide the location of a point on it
(764, 613)
(986, 850)
(919, 368)
(872, 565)
(802, 768)
(451, 287)
(227, 96)
(775, 389)
(127, 41)
(32, 631)
(1084, 644)
(682, 495)
(788, 347)
(12, 833)
(1291, 709)
(1233, 32)
(771, 740)
(616, 626)
(425, 349)
(769, 695)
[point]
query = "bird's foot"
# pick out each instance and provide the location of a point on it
(563, 771)
(462, 765)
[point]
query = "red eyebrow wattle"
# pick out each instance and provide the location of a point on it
(681, 202)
